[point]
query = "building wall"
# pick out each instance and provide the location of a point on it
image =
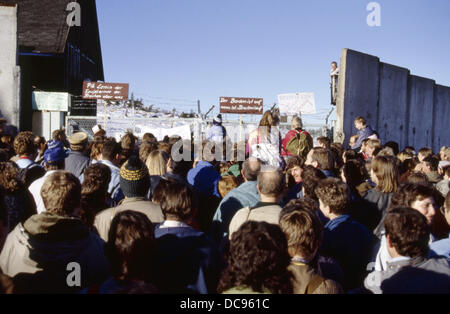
(405, 108)
(9, 71)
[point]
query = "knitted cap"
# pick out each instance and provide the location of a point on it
(134, 178)
(55, 153)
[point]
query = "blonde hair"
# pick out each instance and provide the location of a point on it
(386, 171)
(156, 163)
(374, 143)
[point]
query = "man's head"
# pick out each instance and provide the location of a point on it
(178, 202)
(445, 153)
(372, 147)
(320, 158)
(218, 119)
(430, 164)
(134, 178)
(407, 233)
(323, 142)
(24, 144)
(270, 182)
(424, 152)
(297, 123)
(59, 135)
(353, 140)
(98, 131)
(417, 196)
(360, 123)
(294, 167)
(110, 151)
(303, 230)
(78, 141)
(61, 194)
(333, 197)
(54, 155)
(250, 169)
(334, 65)
(310, 178)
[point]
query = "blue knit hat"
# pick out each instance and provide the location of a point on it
(55, 153)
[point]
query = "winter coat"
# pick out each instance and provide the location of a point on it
(240, 197)
(45, 245)
(351, 245)
(268, 212)
(417, 275)
(187, 261)
(216, 133)
(307, 280)
(139, 204)
(362, 135)
(382, 201)
(76, 163)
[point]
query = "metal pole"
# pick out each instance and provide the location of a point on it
(134, 113)
(199, 111)
(104, 115)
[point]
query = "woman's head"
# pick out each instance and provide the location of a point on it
(258, 259)
(131, 246)
(384, 173)
(157, 163)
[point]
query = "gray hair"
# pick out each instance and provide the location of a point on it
(271, 181)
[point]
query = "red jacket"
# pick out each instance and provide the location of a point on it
(288, 137)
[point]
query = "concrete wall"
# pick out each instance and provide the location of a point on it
(9, 71)
(408, 109)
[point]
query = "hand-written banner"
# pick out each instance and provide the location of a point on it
(293, 104)
(241, 105)
(105, 91)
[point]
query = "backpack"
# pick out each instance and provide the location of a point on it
(299, 144)
(31, 173)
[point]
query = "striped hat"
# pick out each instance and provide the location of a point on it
(134, 178)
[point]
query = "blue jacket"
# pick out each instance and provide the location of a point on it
(440, 248)
(204, 178)
(294, 193)
(362, 135)
(187, 261)
(240, 197)
(350, 243)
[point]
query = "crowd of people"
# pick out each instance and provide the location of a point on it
(292, 218)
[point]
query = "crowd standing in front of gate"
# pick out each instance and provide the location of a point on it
(290, 218)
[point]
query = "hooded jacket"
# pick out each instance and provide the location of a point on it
(48, 243)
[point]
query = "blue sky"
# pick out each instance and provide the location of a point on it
(178, 51)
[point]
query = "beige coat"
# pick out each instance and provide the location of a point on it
(303, 279)
(140, 204)
(269, 214)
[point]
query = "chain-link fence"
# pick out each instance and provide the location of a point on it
(80, 123)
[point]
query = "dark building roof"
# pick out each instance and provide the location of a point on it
(42, 25)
